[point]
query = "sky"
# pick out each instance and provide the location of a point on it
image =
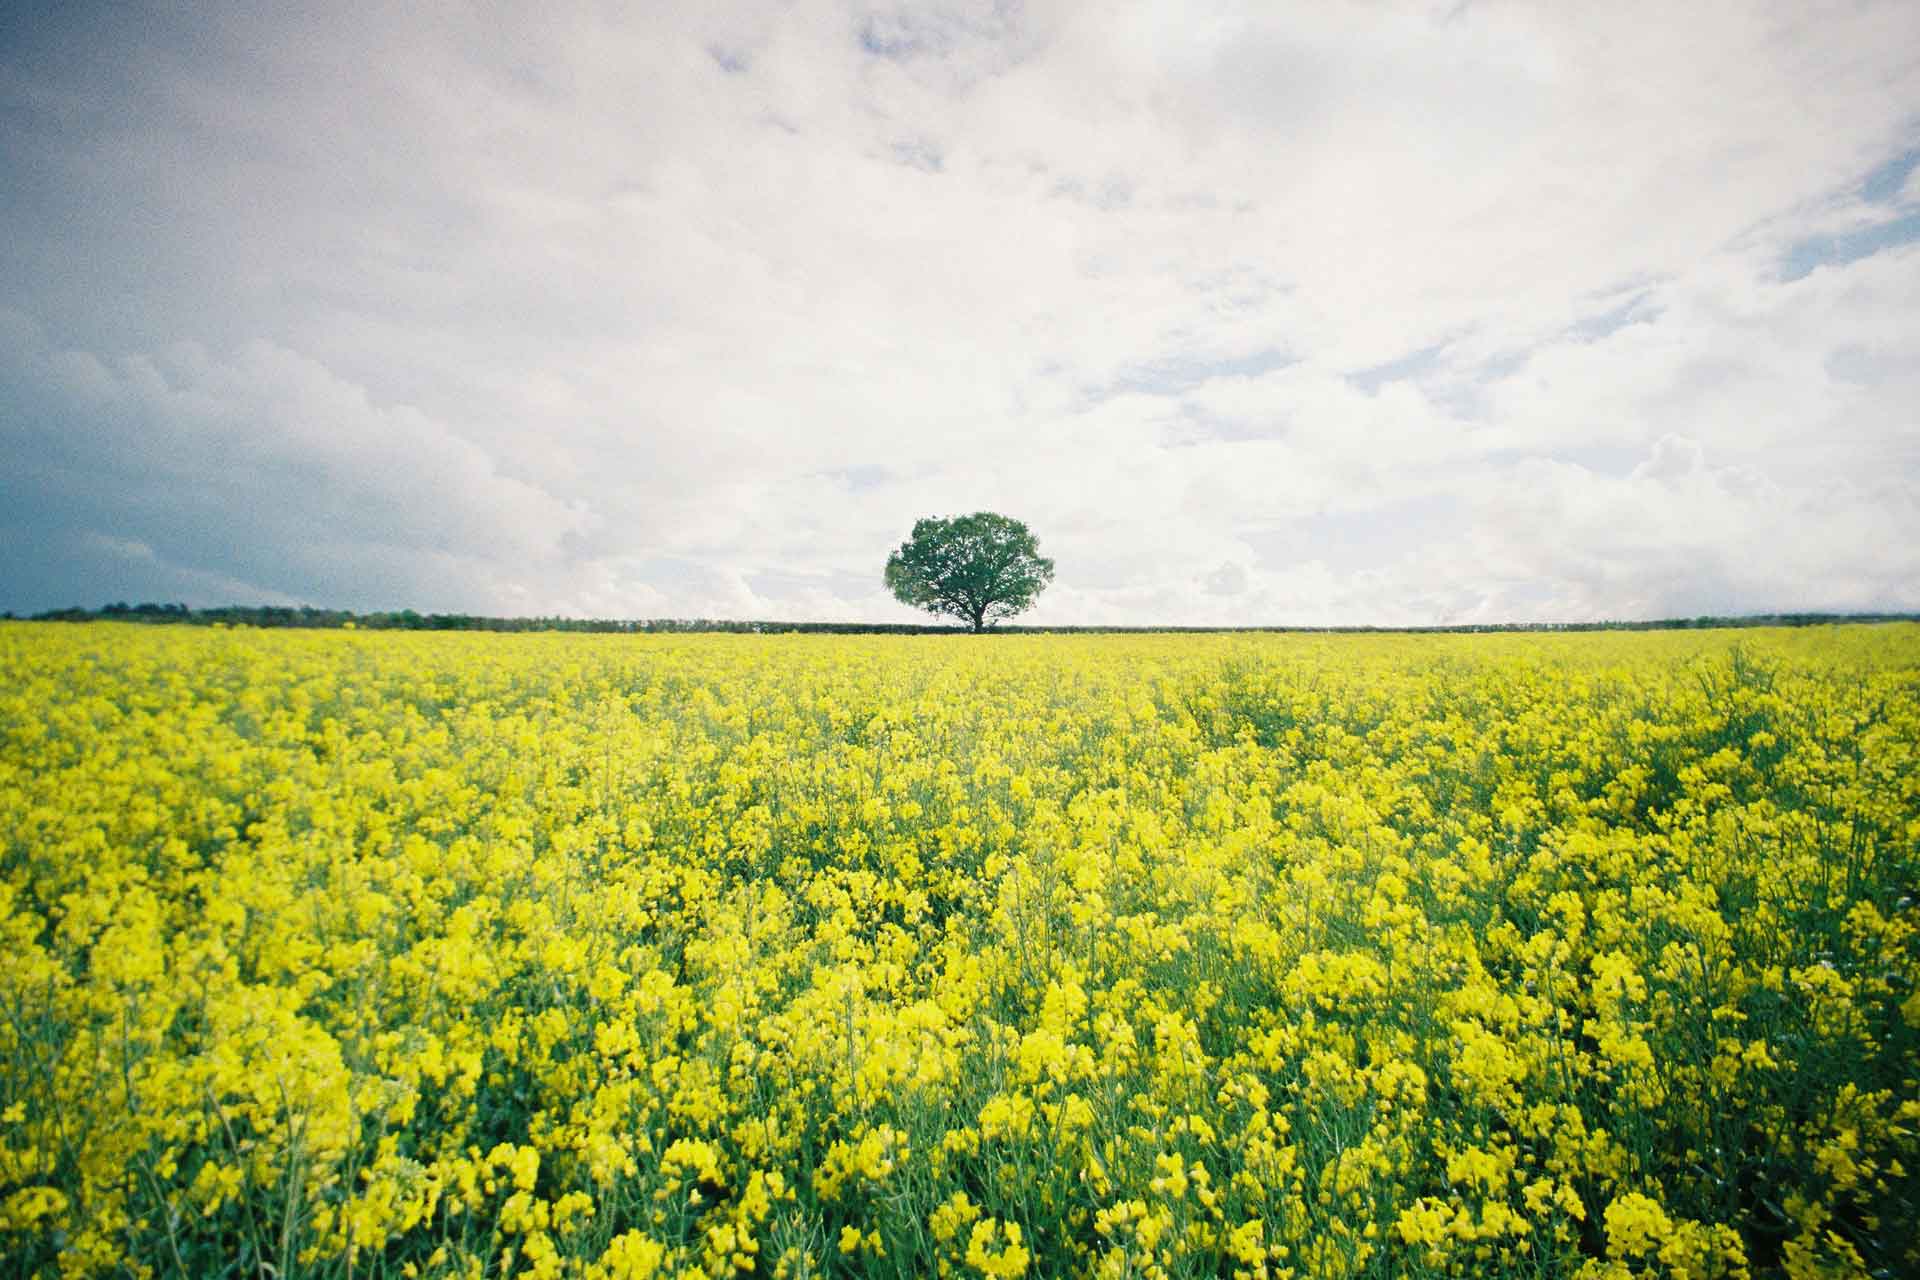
(1256, 314)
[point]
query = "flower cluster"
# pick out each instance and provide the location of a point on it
(1258, 956)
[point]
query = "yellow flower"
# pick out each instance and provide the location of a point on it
(1636, 1226)
(1008, 1260)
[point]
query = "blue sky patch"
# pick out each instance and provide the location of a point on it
(1411, 367)
(1834, 251)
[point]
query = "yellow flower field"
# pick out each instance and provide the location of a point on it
(350, 954)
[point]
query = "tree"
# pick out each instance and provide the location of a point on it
(980, 568)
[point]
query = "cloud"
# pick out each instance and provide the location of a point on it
(1678, 535)
(694, 311)
(1229, 579)
(263, 461)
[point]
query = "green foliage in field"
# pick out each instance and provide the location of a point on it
(342, 954)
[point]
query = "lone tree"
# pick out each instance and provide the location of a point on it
(980, 568)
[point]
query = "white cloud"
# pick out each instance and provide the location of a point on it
(598, 313)
(1678, 535)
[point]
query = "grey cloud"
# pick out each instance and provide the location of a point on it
(1674, 458)
(1228, 580)
(263, 463)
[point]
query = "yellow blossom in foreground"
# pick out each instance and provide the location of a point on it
(1270, 956)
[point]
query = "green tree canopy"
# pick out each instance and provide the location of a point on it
(981, 568)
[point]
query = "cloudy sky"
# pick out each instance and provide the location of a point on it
(1255, 313)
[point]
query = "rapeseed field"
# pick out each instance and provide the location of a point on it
(339, 954)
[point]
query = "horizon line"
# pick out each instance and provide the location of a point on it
(312, 617)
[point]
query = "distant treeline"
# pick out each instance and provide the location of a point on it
(408, 620)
